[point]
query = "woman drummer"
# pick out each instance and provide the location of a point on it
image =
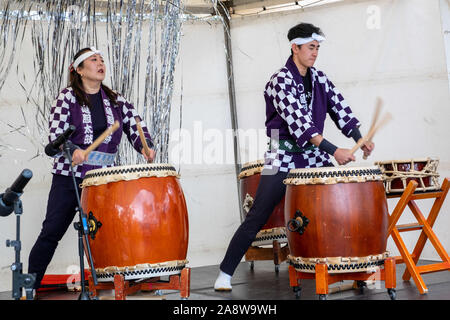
(91, 107)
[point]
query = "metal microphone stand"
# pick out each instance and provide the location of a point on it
(20, 280)
(83, 231)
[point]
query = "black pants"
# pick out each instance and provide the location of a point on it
(269, 193)
(61, 206)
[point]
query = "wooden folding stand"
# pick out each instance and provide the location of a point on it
(277, 253)
(408, 197)
(123, 287)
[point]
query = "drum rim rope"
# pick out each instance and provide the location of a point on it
(126, 173)
(251, 168)
(267, 236)
(142, 271)
(333, 175)
(339, 264)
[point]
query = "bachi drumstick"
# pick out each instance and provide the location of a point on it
(387, 117)
(100, 139)
(143, 140)
(375, 118)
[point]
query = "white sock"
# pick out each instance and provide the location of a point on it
(223, 282)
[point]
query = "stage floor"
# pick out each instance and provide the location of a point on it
(263, 283)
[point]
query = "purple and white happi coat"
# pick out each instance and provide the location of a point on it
(289, 116)
(66, 111)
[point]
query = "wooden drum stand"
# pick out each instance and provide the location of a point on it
(324, 278)
(123, 287)
(278, 253)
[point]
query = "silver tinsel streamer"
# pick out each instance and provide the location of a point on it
(162, 20)
(11, 32)
(169, 51)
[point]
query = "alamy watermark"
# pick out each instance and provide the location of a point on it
(373, 21)
(213, 146)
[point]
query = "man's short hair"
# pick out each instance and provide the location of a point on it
(303, 30)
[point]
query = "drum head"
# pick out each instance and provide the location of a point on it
(411, 160)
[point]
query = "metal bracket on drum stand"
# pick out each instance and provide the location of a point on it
(298, 223)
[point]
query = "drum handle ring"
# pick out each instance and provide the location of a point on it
(298, 223)
(94, 225)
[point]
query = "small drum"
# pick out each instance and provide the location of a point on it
(337, 216)
(274, 229)
(398, 173)
(143, 231)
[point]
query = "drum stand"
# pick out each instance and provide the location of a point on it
(277, 253)
(408, 197)
(324, 279)
(123, 287)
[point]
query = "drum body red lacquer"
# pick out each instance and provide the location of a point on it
(346, 220)
(274, 229)
(143, 218)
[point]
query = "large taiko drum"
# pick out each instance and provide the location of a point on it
(144, 222)
(274, 229)
(337, 216)
(398, 173)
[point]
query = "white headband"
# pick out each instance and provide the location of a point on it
(84, 56)
(300, 41)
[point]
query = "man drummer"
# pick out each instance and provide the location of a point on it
(298, 98)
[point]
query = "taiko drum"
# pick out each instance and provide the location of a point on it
(398, 173)
(274, 229)
(336, 216)
(144, 221)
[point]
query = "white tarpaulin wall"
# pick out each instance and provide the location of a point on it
(391, 49)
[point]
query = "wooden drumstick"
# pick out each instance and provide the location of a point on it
(100, 139)
(375, 118)
(376, 115)
(387, 117)
(143, 140)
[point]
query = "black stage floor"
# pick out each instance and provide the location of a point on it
(263, 283)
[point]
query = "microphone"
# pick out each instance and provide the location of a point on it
(11, 194)
(53, 147)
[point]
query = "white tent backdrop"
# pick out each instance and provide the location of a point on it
(391, 49)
